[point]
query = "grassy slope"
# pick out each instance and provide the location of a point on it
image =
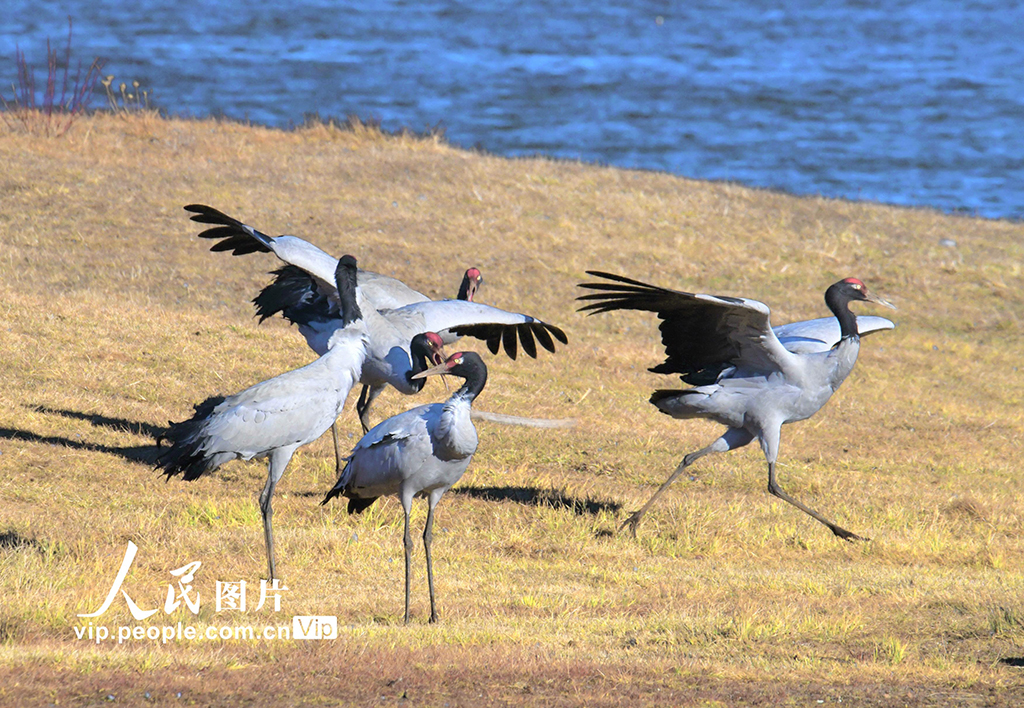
(114, 319)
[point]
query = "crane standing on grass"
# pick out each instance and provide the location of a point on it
(745, 375)
(276, 417)
(423, 451)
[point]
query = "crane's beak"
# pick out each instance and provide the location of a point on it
(871, 297)
(474, 285)
(441, 368)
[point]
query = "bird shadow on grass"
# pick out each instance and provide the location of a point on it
(143, 454)
(309, 495)
(11, 540)
(539, 497)
(120, 424)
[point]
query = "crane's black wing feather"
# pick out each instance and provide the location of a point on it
(236, 237)
(702, 334)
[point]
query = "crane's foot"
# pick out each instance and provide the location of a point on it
(847, 535)
(433, 618)
(632, 522)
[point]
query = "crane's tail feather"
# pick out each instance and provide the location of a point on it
(358, 506)
(341, 485)
(331, 493)
(186, 455)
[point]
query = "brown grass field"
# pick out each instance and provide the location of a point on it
(115, 319)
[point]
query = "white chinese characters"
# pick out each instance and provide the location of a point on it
(230, 595)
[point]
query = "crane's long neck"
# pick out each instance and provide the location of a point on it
(464, 289)
(420, 350)
(345, 279)
(844, 354)
(455, 431)
(475, 379)
(840, 306)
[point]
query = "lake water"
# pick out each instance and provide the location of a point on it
(918, 103)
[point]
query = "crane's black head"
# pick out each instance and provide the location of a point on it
(839, 296)
(850, 289)
(465, 365)
(471, 282)
(345, 279)
(427, 347)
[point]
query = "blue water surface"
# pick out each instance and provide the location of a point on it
(917, 103)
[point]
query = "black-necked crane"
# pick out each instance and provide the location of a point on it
(390, 330)
(276, 417)
(421, 452)
(747, 376)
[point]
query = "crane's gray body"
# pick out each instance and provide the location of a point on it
(753, 398)
(424, 449)
(289, 410)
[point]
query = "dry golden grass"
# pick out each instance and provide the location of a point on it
(115, 318)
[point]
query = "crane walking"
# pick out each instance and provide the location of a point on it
(746, 375)
(421, 452)
(276, 417)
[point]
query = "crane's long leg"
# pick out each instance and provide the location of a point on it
(730, 440)
(338, 466)
(775, 489)
(407, 540)
(366, 397)
(428, 537)
(275, 469)
(770, 445)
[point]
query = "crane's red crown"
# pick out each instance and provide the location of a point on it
(855, 283)
(437, 344)
(474, 274)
